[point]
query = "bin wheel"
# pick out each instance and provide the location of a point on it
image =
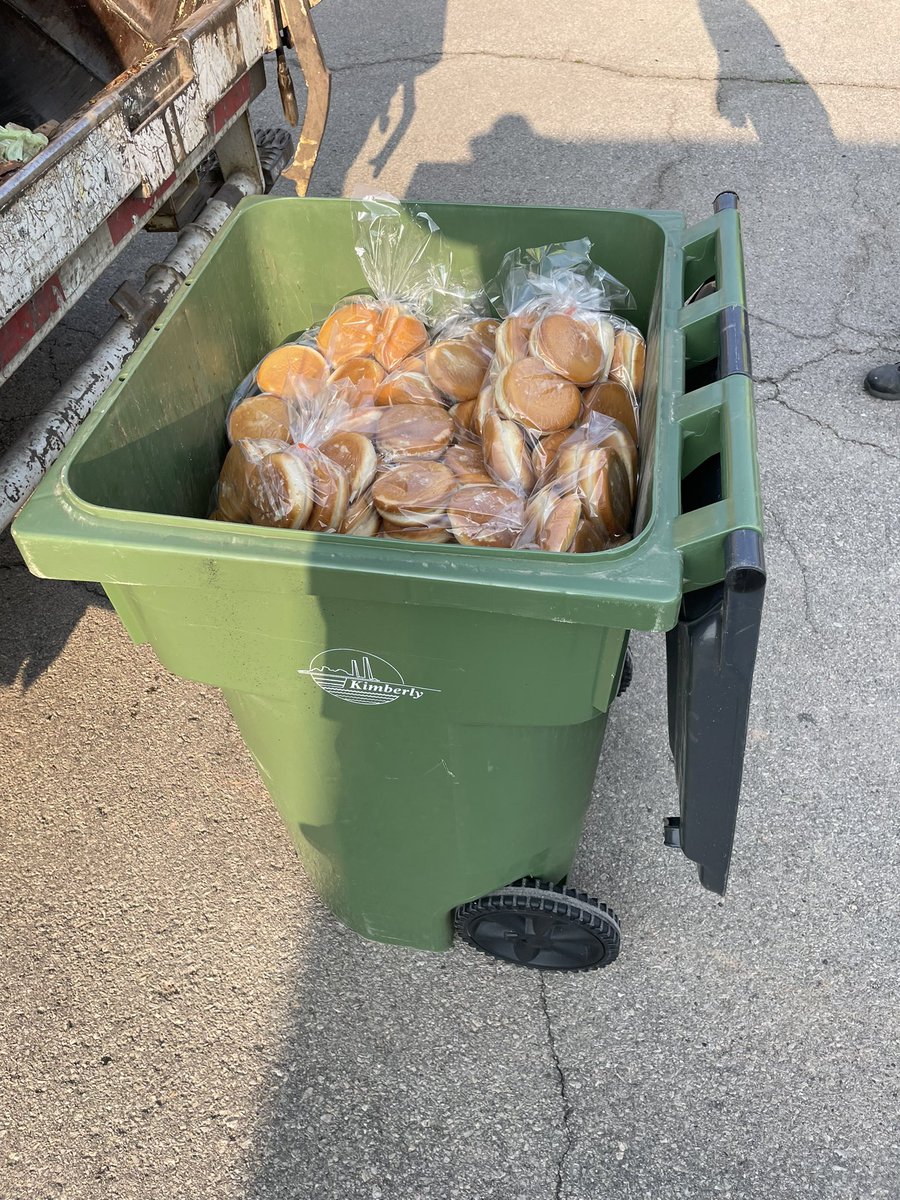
(627, 674)
(541, 925)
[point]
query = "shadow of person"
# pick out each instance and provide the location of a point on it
(750, 54)
(388, 57)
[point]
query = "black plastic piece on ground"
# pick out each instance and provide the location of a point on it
(725, 200)
(672, 832)
(627, 674)
(710, 656)
(543, 926)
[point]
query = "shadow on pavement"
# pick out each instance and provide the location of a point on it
(364, 93)
(747, 51)
(37, 617)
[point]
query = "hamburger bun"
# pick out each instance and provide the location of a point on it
(280, 370)
(356, 454)
(486, 516)
(536, 397)
(568, 346)
(350, 331)
(415, 493)
(413, 431)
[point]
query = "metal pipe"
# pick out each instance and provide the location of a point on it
(42, 442)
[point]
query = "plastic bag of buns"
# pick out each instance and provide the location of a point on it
(462, 346)
(451, 371)
(411, 414)
(316, 476)
(447, 500)
(559, 275)
(560, 336)
(585, 494)
(413, 283)
(296, 364)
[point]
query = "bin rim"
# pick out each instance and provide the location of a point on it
(638, 585)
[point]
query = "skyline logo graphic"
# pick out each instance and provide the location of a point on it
(360, 677)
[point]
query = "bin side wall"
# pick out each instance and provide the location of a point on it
(399, 815)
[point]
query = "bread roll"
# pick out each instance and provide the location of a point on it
(413, 431)
(436, 534)
(559, 523)
(415, 493)
(457, 369)
(264, 415)
(407, 386)
(467, 464)
(399, 336)
(569, 346)
(280, 490)
(486, 516)
(528, 392)
(356, 454)
(506, 454)
(599, 478)
(233, 490)
(350, 331)
(483, 331)
(613, 399)
(361, 376)
(362, 519)
(282, 369)
(513, 335)
(546, 448)
(331, 494)
(483, 405)
(628, 360)
(461, 415)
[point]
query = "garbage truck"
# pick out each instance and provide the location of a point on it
(142, 111)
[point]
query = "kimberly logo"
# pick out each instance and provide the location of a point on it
(361, 678)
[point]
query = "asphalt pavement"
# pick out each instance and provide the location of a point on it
(180, 1017)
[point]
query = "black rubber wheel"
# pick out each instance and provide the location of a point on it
(545, 926)
(627, 674)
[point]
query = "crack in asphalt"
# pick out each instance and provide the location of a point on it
(822, 424)
(609, 69)
(657, 187)
(801, 567)
(563, 1089)
(775, 381)
(801, 335)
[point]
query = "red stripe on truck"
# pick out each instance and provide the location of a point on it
(29, 317)
(233, 101)
(131, 211)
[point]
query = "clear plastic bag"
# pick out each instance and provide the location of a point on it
(231, 499)
(414, 285)
(585, 494)
(430, 501)
(559, 275)
(308, 479)
(557, 307)
(462, 346)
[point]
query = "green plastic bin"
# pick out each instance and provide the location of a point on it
(428, 719)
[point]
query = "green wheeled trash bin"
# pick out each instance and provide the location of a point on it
(428, 718)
